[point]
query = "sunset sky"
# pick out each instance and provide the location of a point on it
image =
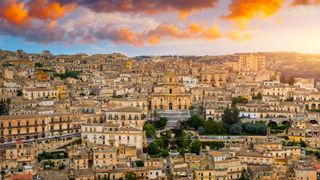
(160, 27)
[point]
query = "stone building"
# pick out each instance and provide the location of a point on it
(171, 94)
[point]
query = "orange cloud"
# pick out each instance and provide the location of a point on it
(41, 9)
(15, 12)
(211, 34)
(239, 36)
(53, 23)
(184, 14)
(195, 28)
(305, 2)
(154, 40)
(241, 11)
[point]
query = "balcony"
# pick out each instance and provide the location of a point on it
(62, 121)
(30, 125)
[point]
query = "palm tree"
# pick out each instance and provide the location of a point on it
(155, 114)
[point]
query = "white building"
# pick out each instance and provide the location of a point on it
(112, 134)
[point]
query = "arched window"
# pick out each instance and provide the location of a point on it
(170, 79)
(170, 91)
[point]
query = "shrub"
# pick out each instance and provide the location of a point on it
(139, 163)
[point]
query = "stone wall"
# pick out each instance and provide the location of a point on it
(50, 145)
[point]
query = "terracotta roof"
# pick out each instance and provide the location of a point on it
(22, 176)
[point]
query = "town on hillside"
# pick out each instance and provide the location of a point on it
(247, 116)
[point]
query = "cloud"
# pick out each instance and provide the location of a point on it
(17, 20)
(45, 10)
(240, 36)
(53, 23)
(305, 2)
(148, 7)
(211, 34)
(15, 11)
(195, 28)
(279, 21)
(241, 11)
(40, 34)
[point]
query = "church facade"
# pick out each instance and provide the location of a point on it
(170, 95)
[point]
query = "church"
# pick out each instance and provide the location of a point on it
(170, 95)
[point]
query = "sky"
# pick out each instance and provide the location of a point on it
(160, 27)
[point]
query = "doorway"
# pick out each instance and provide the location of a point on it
(170, 106)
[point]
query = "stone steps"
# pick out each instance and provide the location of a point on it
(173, 117)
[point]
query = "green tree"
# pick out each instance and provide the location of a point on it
(61, 167)
(303, 144)
(92, 93)
(162, 122)
(201, 108)
(251, 144)
(3, 108)
(150, 130)
(155, 114)
(283, 78)
(212, 127)
(195, 121)
(236, 129)
(186, 143)
(38, 64)
(239, 99)
(164, 154)
(82, 94)
(182, 152)
(139, 163)
(160, 143)
(201, 130)
(153, 148)
(19, 92)
(195, 147)
(291, 80)
(244, 175)
(231, 116)
(8, 101)
(259, 96)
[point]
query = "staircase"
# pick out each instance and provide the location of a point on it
(173, 117)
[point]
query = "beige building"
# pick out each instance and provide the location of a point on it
(254, 63)
(126, 116)
(112, 135)
(171, 95)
